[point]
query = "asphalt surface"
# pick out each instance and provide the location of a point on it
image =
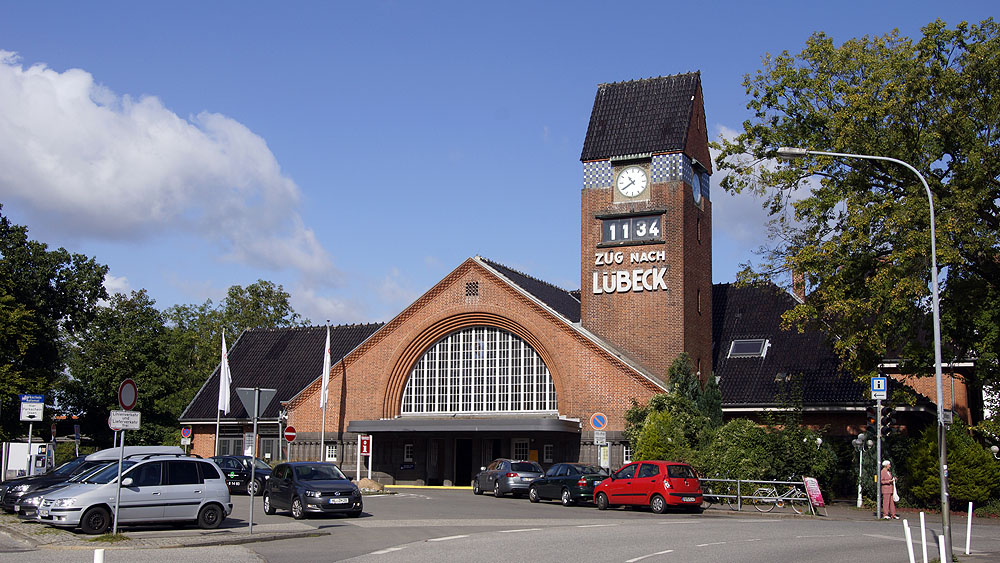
(453, 525)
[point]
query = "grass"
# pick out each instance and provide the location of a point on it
(110, 538)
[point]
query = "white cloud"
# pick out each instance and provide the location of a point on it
(98, 165)
(318, 309)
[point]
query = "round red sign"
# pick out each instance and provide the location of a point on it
(128, 394)
(290, 433)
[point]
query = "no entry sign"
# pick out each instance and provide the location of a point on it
(290, 433)
(128, 394)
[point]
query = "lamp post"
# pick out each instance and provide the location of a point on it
(795, 152)
(995, 451)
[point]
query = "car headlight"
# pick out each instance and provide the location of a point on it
(20, 488)
(32, 501)
(314, 494)
(64, 502)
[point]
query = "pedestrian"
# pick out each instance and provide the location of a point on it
(888, 482)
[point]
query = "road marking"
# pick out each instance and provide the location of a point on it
(596, 525)
(650, 555)
(824, 536)
(521, 530)
(713, 543)
(754, 539)
(448, 538)
(386, 550)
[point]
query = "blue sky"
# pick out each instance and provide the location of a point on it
(358, 152)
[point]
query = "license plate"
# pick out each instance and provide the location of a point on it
(596, 483)
(687, 499)
(43, 511)
(17, 508)
(527, 478)
(340, 500)
(233, 483)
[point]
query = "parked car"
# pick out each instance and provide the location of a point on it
(311, 487)
(11, 492)
(568, 482)
(504, 476)
(154, 488)
(658, 484)
(237, 470)
(27, 506)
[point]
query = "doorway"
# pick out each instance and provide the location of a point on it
(463, 462)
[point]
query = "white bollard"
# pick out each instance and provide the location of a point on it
(909, 540)
(968, 530)
(923, 535)
(99, 555)
(941, 548)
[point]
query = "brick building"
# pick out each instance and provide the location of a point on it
(491, 362)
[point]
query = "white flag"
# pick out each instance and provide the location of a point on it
(326, 372)
(224, 377)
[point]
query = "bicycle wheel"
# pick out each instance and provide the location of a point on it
(763, 499)
(796, 498)
(731, 493)
(707, 497)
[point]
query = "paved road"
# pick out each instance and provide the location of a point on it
(454, 525)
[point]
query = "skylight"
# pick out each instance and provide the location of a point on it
(750, 348)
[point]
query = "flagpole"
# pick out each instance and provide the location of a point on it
(324, 391)
(224, 381)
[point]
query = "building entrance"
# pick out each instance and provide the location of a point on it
(464, 469)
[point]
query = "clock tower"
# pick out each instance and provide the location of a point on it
(646, 224)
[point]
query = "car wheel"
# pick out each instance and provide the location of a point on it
(566, 498)
(253, 487)
(602, 501)
(298, 512)
(210, 517)
(268, 507)
(657, 504)
(496, 490)
(475, 487)
(533, 494)
(95, 521)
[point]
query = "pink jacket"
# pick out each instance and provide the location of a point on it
(885, 478)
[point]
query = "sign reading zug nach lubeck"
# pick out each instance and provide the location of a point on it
(629, 280)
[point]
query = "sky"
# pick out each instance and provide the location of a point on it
(357, 152)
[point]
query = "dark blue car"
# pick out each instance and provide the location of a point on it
(311, 487)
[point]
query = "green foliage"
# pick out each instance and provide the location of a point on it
(740, 450)
(859, 229)
(973, 474)
(45, 296)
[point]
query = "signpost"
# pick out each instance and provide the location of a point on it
(185, 437)
(255, 400)
(32, 409)
(128, 396)
(364, 449)
(879, 388)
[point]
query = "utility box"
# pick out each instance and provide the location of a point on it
(15, 460)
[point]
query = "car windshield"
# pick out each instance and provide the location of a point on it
(108, 473)
(261, 464)
(590, 469)
(68, 468)
(523, 466)
(82, 476)
(318, 472)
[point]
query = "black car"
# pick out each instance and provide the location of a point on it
(568, 482)
(27, 506)
(12, 491)
(316, 487)
(237, 468)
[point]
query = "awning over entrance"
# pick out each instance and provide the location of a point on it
(500, 424)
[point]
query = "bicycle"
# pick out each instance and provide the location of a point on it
(765, 499)
(720, 493)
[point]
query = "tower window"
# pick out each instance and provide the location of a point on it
(472, 289)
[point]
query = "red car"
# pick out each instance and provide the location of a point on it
(657, 484)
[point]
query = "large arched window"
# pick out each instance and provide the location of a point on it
(478, 370)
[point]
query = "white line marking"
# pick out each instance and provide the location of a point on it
(713, 543)
(754, 539)
(521, 530)
(650, 555)
(386, 550)
(595, 525)
(448, 538)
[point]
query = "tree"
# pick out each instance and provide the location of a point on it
(973, 474)
(860, 232)
(45, 296)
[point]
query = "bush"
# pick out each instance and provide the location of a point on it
(739, 450)
(973, 474)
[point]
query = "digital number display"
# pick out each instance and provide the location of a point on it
(630, 229)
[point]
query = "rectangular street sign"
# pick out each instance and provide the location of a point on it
(32, 407)
(600, 437)
(126, 420)
(879, 386)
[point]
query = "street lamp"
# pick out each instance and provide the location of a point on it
(995, 451)
(795, 152)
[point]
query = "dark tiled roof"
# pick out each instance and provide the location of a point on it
(566, 303)
(286, 359)
(641, 116)
(755, 312)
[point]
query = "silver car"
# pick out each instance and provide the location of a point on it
(504, 476)
(154, 488)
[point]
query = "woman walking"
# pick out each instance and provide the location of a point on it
(888, 482)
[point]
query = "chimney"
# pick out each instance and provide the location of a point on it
(799, 285)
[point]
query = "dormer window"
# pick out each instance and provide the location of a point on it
(750, 348)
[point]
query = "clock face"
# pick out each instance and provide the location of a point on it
(696, 187)
(632, 181)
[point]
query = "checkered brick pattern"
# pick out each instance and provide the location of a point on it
(667, 167)
(597, 174)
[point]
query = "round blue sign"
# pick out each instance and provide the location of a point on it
(598, 420)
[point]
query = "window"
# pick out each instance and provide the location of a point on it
(331, 452)
(554, 470)
(268, 448)
(520, 448)
(626, 472)
(209, 471)
(229, 445)
(547, 450)
(648, 470)
(479, 370)
(146, 475)
(407, 452)
(627, 453)
(182, 473)
(472, 289)
(751, 348)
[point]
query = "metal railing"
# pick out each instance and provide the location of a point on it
(762, 495)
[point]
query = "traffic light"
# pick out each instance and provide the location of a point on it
(888, 420)
(871, 422)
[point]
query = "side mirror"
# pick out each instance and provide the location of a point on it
(349, 478)
(127, 482)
